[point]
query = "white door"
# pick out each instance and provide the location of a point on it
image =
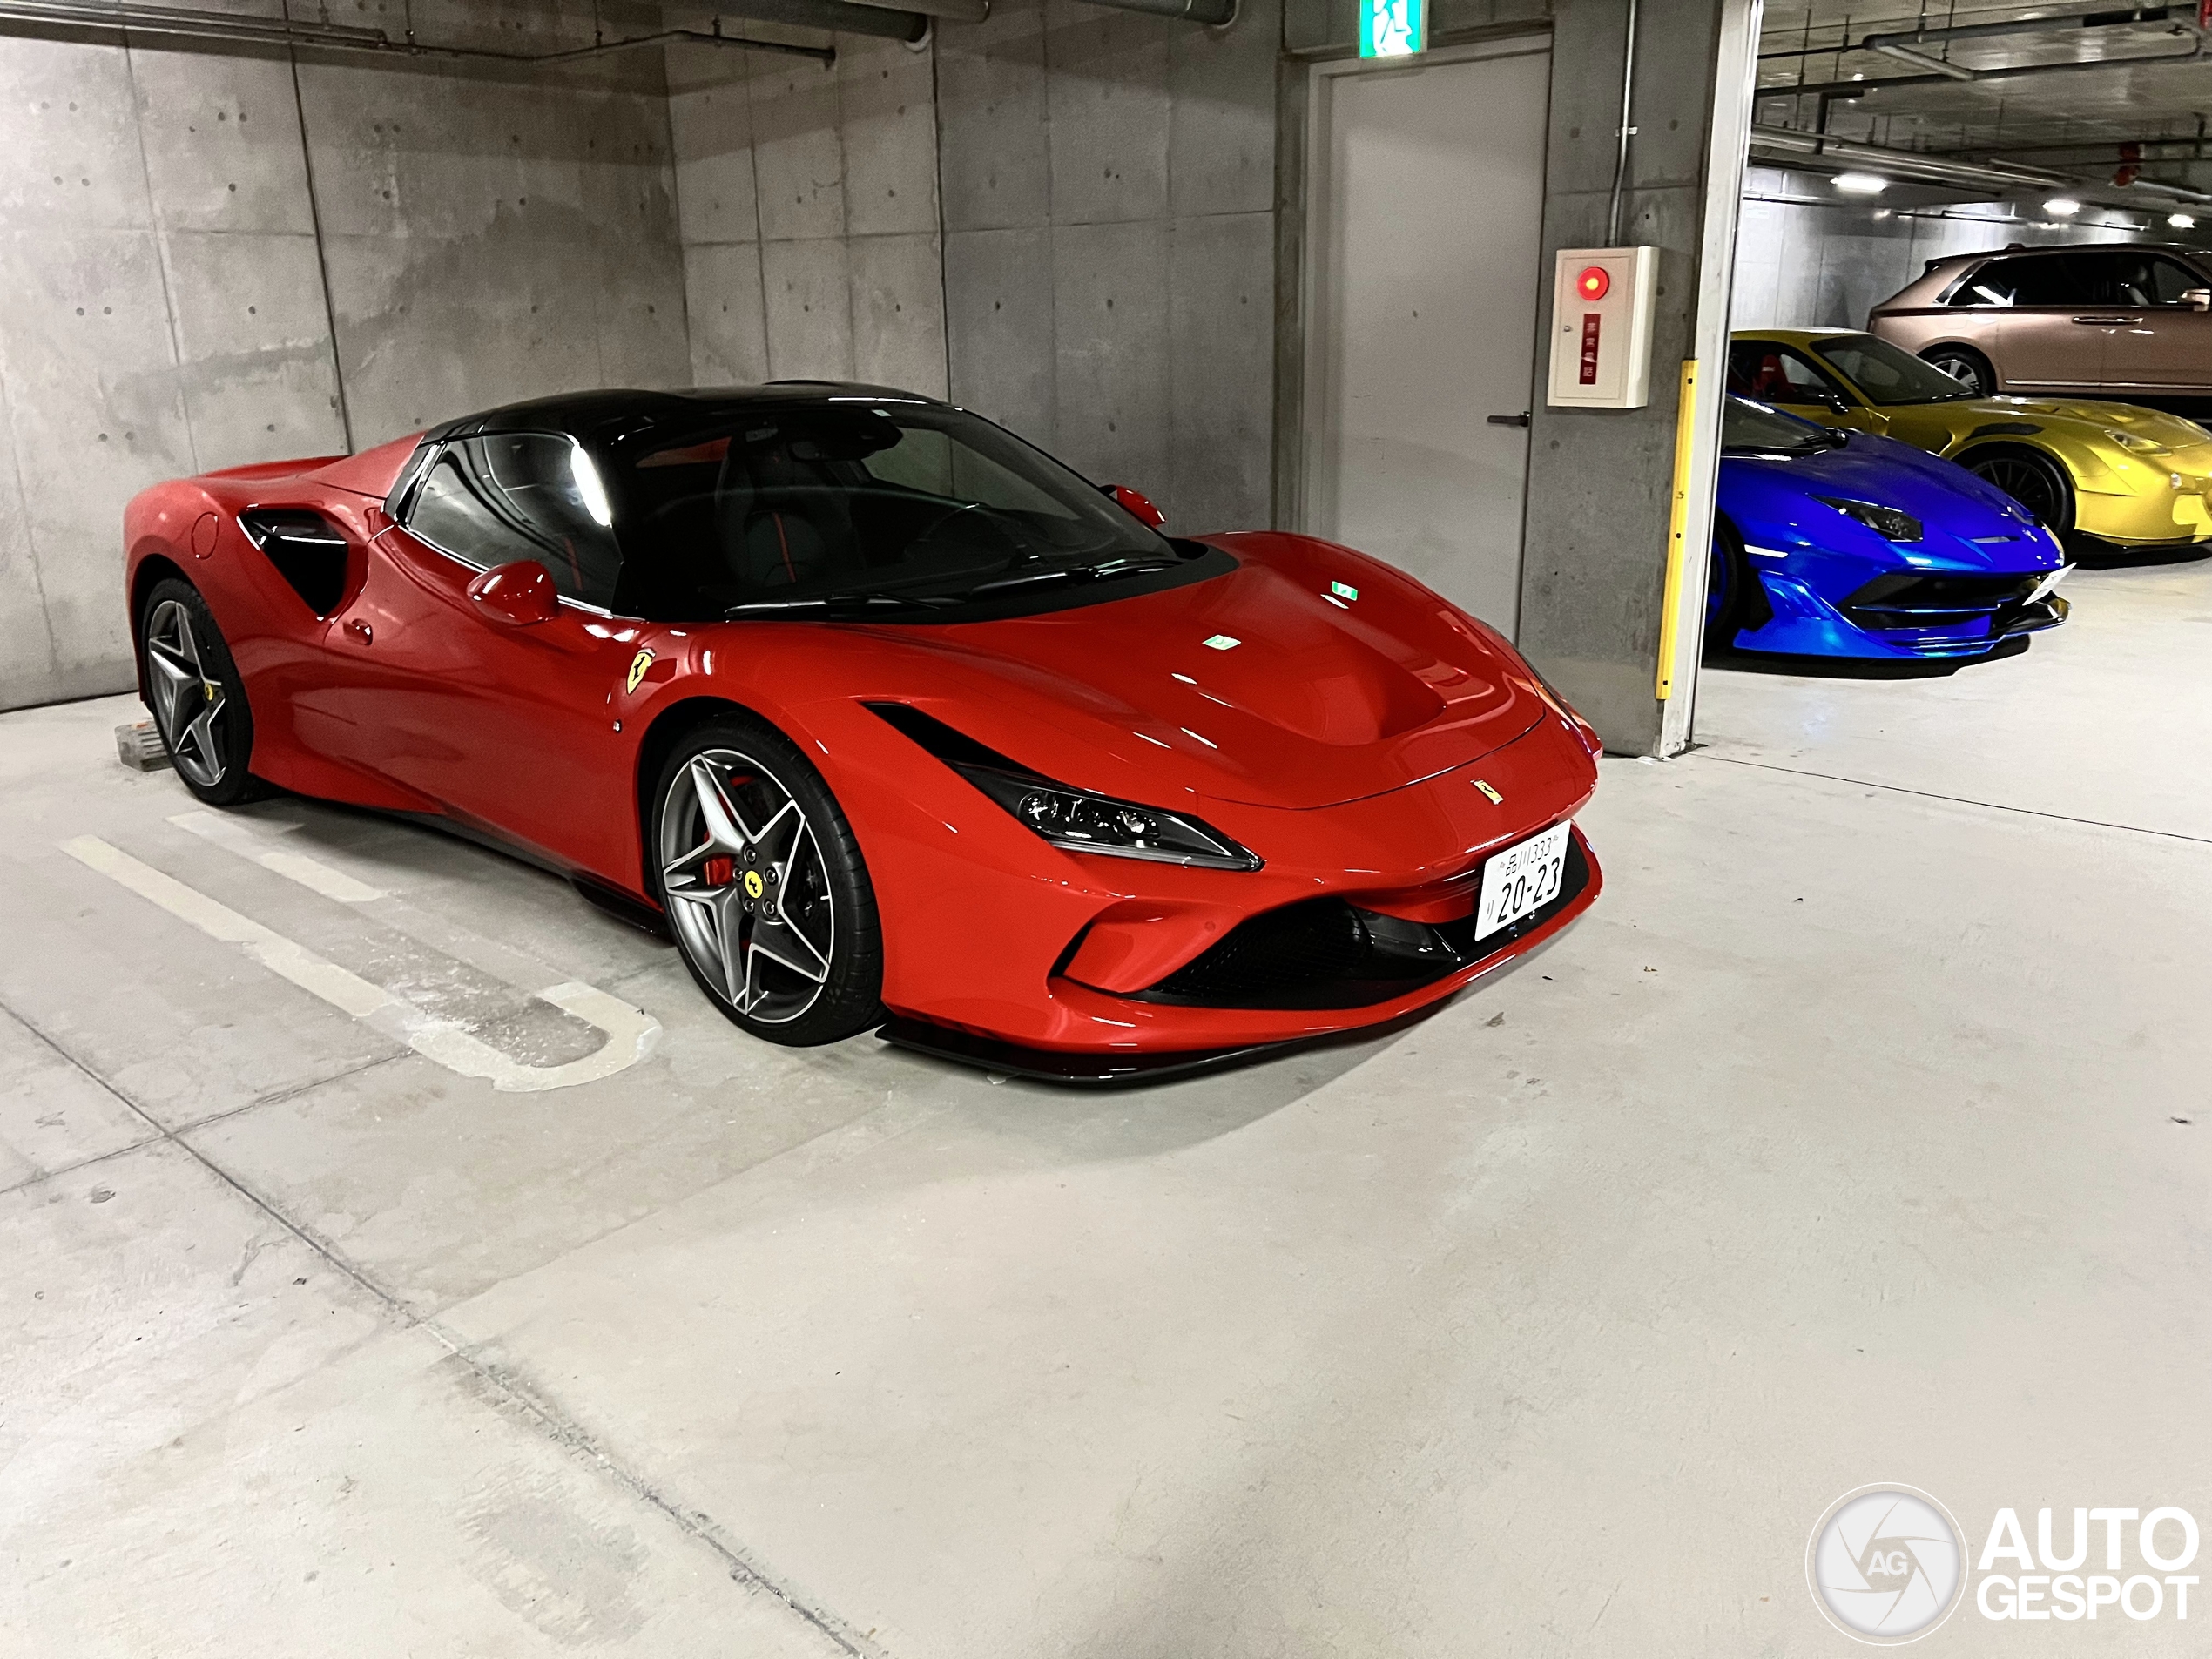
(1424, 206)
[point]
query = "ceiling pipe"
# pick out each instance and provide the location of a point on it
(1215, 14)
(1996, 177)
(1882, 82)
(1922, 60)
(2185, 16)
(179, 22)
(950, 10)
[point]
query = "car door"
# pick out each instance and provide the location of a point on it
(2166, 344)
(2051, 333)
(508, 726)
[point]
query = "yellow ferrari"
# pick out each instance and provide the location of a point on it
(2127, 476)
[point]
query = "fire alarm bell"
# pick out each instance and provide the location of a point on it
(1601, 327)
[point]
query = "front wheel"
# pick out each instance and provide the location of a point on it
(2031, 478)
(198, 698)
(765, 887)
(1966, 365)
(1727, 583)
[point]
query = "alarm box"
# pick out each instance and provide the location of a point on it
(1601, 327)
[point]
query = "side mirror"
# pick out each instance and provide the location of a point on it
(518, 595)
(1137, 505)
(2197, 299)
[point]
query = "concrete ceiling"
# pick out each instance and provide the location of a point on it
(2073, 120)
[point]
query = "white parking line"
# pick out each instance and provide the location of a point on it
(630, 1033)
(295, 866)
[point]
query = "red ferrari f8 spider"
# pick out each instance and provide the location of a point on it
(885, 716)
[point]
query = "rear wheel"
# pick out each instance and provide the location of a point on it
(765, 887)
(1966, 365)
(198, 698)
(2031, 478)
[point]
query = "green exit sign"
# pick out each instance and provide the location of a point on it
(1393, 28)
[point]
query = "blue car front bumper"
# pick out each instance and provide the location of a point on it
(1801, 622)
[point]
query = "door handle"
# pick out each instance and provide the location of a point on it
(2109, 323)
(360, 629)
(1520, 419)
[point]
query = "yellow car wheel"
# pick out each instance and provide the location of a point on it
(2030, 477)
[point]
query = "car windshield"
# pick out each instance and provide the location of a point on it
(897, 511)
(1748, 429)
(1888, 375)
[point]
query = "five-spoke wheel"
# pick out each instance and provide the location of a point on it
(764, 886)
(198, 699)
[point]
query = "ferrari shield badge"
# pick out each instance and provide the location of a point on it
(638, 665)
(1490, 794)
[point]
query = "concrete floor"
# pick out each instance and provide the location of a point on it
(1844, 1142)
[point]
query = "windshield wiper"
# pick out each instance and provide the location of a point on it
(1103, 571)
(861, 599)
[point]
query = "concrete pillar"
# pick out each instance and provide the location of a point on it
(1600, 481)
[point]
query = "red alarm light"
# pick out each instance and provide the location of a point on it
(1592, 283)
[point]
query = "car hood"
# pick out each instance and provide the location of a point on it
(2088, 420)
(1307, 677)
(1967, 524)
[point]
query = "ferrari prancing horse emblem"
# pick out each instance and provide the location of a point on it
(754, 887)
(1495, 798)
(638, 665)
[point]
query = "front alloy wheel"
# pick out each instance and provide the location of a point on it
(765, 890)
(2035, 481)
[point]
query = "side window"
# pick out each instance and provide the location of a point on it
(2050, 280)
(522, 496)
(1774, 373)
(2141, 278)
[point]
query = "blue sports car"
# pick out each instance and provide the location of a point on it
(1831, 543)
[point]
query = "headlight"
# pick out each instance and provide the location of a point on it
(2135, 442)
(1079, 822)
(1884, 522)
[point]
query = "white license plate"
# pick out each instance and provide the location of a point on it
(1522, 879)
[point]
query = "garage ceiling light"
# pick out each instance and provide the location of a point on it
(1861, 183)
(2062, 207)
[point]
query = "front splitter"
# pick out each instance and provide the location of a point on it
(1084, 1071)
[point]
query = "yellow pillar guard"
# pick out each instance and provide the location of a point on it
(1678, 564)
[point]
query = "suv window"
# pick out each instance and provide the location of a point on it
(522, 496)
(1774, 373)
(2040, 280)
(2133, 279)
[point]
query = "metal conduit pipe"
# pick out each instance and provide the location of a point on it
(23, 16)
(2184, 16)
(1997, 176)
(950, 10)
(1214, 14)
(1626, 132)
(1953, 72)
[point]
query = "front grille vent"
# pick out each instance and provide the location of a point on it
(1326, 953)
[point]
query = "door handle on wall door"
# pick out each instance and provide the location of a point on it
(360, 629)
(1520, 419)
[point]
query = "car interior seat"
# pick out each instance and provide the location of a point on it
(782, 519)
(1771, 384)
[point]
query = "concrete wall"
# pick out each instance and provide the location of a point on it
(196, 278)
(1805, 259)
(1600, 481)
(808, 211)
(1109, 245)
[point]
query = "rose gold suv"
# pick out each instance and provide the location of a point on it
(2110, 319)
